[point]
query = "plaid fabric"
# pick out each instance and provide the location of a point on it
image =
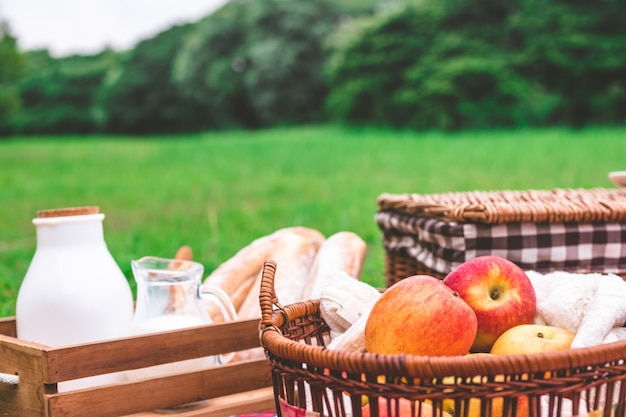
(543, 247)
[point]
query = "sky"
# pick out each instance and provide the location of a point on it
(67, 27)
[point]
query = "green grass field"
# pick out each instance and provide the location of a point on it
(219, 191)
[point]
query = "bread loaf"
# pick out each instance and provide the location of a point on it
(245, 263)
(294, 255)
(184, 253)
(237, 298)
(241, 293)
(241, 274)
(341, 252)
(176, 297)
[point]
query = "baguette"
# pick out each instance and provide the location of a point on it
(246, 262)
(294, 256)
(176, 298)
(236, 298)
(307, 232)
(241, 293)
(242, 272)
(343, 251)
(184, 253)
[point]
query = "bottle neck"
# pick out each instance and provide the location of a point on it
(69, 230)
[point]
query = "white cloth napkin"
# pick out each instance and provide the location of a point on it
(591, 305)
(345, 306)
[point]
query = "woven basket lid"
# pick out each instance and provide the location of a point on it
(557, 205)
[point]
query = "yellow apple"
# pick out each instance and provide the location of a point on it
(474, 404)
(500, 294)
(401, 407)
(497, 407)
(420, 315)
(532, 338)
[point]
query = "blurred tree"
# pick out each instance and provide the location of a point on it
(58, 93)
(458, 64)
(371, 56)
(576, 51)
(260, 63)
(427, 65)
(12, 66)
(209, 68)
(139, 96)
(464, 78)
(249, 64)
(470, 88)
(447, 64)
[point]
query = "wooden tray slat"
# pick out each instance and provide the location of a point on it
(126, 398)
(73, 362)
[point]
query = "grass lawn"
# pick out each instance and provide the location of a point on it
(218, 191)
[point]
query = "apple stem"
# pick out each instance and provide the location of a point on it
(495, 293)
(540, 335)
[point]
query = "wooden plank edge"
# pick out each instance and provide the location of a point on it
(134, 397)
(254, 401)
(79, 361)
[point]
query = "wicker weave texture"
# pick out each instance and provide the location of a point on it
(558, 205)
(399, 266)
(336, 383)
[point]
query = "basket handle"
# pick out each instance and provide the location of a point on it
(267, 294)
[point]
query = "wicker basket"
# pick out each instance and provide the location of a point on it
(310, 380)
(575, 230)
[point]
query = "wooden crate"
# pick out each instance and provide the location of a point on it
(31, 372)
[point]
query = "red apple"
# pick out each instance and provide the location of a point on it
(401, 408)
(498, 291)
(532, 338)
(420, 315)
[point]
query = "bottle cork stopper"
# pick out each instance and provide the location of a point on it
(68, 211)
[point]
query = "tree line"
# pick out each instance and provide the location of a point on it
(419, 64)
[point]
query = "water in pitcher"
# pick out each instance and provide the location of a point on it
(168, 298)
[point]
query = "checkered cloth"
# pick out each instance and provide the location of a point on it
(542, 247)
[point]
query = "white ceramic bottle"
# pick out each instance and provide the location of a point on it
(73, 291)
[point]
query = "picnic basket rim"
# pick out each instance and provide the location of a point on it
(509, 206)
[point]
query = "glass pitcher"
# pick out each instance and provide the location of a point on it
(169, 297)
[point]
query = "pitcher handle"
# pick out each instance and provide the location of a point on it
(226, 307)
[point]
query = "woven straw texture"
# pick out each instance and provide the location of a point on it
(306, 376)
(559, 205)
